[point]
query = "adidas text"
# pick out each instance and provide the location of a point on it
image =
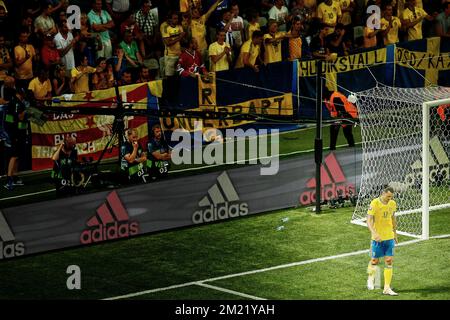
(222, 212)
(328, 193)
(109, 232)
(11, 250)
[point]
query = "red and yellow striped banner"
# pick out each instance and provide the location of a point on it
(92, 132)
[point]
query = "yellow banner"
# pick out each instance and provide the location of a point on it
(278, 105)
(207, 90)
(344, 64)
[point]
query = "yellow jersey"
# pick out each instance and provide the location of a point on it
(329, 14)
(273, 50)
(253, 50)
(392, 36)
(40, 90)
(169, 32)
(24, 71)
(346, 18)
(216, 49)
(414, 33)
(82, 84)
(198, 30)
(252, 28)
(383, 214)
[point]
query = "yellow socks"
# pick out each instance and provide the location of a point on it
(387, 276)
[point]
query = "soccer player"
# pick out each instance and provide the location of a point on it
(382, 225)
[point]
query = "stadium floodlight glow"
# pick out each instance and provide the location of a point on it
(406, 144)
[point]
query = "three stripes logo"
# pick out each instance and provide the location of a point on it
(439, 164)
(333, 182)
(9, 247)
(222, 202)
(110, 222)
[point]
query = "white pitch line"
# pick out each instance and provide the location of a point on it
(27, 195)
(236, 293)
(294, 264)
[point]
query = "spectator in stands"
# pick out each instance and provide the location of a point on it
(41, 87)
(253, 24)
(250, 55)
(118, 9)
(295, 40)
(147, 23)
(89, 42)
(101, 22)
(190, 63)
(131, 50)
(16, 126)
(118, 62)
(60, 81)
(225, 24)
(24, 55)
(329, 13)
(220, 53)
(370, 35)
(65, 43)
(5, 23)
(127, 78)
(102, 79)
(44, 24)
(443, 21)
(412, 20)
(319, 45)
(237, 27)
(198, 27)
(80, 76)
(49, 54)
(280, 14)
(299, 9)
(347, 7)
(144, 75)
(172, 34)
(390, 26)
(272, 43)
(5, 60)
(335, 41)
(189, 5)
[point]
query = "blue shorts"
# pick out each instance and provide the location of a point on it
(382, 249)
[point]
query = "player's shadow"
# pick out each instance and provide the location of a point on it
(429, 290)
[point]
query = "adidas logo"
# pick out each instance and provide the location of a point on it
(110, 222)
(439, 164)
(333, 182)
(222, 202)
(9, 248)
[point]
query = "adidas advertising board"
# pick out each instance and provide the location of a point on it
(169, 204)
(9, 247)
(110, 222)
(439, 164)
(333, 183)
(221, 203)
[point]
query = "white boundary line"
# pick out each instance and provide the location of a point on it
(294, 264)
(236, 293)
(28, 195)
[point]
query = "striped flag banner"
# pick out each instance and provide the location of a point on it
(91, 132)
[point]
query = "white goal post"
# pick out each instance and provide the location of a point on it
(406, 144)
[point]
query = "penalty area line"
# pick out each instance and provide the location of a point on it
(283, 266)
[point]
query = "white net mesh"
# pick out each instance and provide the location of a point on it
(391, 128)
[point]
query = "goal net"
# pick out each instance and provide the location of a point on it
(406, 145)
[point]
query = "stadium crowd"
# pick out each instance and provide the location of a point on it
(44, 53)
